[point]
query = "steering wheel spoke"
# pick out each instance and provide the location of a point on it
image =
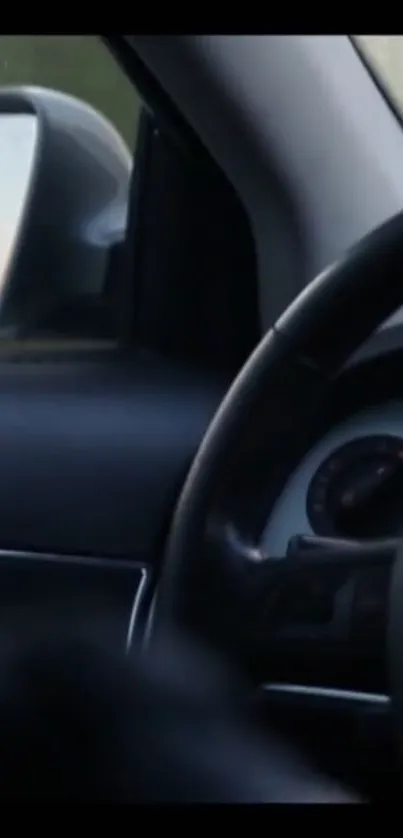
(323, 617)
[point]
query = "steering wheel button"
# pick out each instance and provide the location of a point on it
(313, 610)
(310, 598)
(370, 605)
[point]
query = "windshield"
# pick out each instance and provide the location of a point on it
(384, 54)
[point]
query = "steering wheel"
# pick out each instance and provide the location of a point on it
(214, 580)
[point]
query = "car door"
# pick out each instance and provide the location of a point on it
(101, 414)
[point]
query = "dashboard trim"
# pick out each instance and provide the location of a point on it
(68, 558)
(329, 695)
(137, 603)
(93, 562)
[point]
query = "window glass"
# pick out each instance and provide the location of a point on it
(77, 64)
(83, 67)
(385, 54)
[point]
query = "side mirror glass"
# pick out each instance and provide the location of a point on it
(18, 145)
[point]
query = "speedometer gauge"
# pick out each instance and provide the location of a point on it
(357, 492)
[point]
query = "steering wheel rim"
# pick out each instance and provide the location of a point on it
(285, 377)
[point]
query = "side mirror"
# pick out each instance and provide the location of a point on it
(64, 183)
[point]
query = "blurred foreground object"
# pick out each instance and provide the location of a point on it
(81, 722)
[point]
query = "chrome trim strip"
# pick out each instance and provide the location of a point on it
(146, 639)
(328, 693)
(138, 598)
(92, 561)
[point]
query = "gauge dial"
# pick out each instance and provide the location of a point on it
(358, 491)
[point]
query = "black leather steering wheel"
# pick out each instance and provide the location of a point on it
(213, 571)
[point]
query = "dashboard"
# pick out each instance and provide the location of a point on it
(349, 485)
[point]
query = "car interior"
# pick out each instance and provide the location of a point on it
(201, 341)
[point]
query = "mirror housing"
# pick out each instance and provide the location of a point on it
(65, 174)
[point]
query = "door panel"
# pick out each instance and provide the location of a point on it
(94, 452)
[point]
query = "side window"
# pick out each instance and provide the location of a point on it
(83, 67)
(385, 55)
